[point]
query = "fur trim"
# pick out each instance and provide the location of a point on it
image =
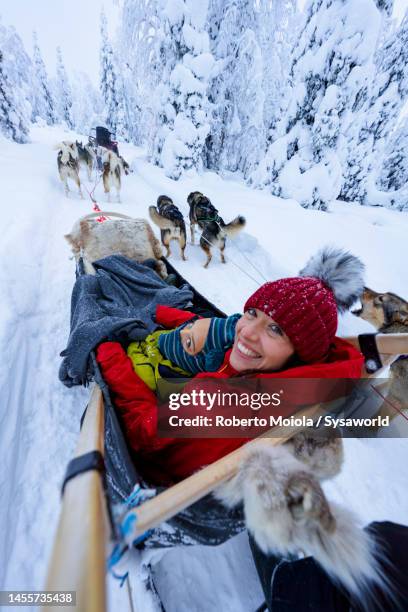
(286, 511)
(321, 453)
(339, 270)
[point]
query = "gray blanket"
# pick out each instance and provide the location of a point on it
(118, 303)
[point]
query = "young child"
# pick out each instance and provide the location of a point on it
(195, 346)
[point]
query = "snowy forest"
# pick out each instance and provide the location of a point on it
(310, 105)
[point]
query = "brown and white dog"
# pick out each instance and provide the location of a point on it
(133, 238)
(389, 314)
(68, 164)
(113, 168)
(171, 222)
(214, 229)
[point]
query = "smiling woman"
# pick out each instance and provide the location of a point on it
(260, 344)
(287, 330)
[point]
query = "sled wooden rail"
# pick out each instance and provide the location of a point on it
(181, 495)
(79, 555)
(387, 344)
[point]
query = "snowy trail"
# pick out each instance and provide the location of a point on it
(39, 419)
(40, 422)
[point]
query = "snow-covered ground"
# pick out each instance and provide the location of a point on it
(39, 417)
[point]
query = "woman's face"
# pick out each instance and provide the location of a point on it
(260, 344)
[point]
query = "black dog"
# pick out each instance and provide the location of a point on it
(215, 230)
(171, 222)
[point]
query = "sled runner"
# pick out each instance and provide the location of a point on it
(103, 475)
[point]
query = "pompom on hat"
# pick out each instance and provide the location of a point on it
(305, 307)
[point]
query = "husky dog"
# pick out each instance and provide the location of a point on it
(287, 511)
(86, 157)
(389, 314)
(171, 222)
(113, 167)
(133, 238)
(68, 164)
(215, 230)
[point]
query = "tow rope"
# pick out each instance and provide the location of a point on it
(96, 208)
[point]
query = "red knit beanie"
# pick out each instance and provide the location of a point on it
(306, 311)
(306, 307)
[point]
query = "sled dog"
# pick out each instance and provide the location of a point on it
(167, 216)
(214, 229)
(86, 157)
(113, 168)
(389, 314)
(68, 164)
(133, 238)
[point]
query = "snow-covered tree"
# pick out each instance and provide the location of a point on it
(183, 109)
(63, 92)
(12, 120)
(87, 105)
(43, 103)
(366, 139)
(237, 136)
(331, 72)
(394, 172)
(138, 50)
(15, 86)
(279, 22)
(111, 85)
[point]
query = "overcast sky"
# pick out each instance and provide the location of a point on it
(71, 24)
(74, 25)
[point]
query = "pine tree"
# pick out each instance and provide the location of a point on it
(138, 50)
(236, 95)
(331, 73)
(183, 102)
(43, 104)
(367, 139)
(111, 86)
(63, 92)
(394, 171)
(87, 106)
(12, 119)
(16, 86)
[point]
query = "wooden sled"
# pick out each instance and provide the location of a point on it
(83, 539)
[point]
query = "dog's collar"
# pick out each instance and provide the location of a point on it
(216, 218)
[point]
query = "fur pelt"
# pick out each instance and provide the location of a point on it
(287, 511)
(133, 238)
(339, 270)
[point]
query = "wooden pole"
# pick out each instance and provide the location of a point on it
(387, 344)
(181, 495)
(79, 554)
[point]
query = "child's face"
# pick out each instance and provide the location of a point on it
(194, 335)
(260, 344)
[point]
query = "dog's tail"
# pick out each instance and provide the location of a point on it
(235, 226)
(158, 220)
